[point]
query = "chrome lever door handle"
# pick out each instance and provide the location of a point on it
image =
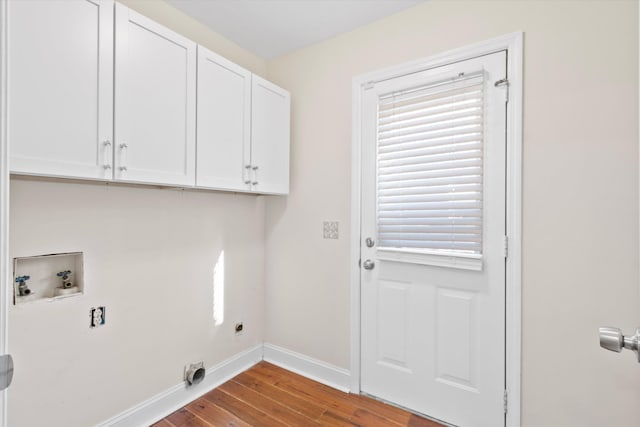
(612, 339)
(368, 264)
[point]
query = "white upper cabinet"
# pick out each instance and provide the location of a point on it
(155, 102)
(95, 94)
(60, 88)
(224, 123)
(270, 120)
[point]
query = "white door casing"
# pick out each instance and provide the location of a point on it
(6, 289)
(513, 45)
(224, 123)
(155, 102)
(60, 99)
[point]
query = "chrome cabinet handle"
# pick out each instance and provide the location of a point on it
(247, 180)
(107, 155)
(255, 175)
(368, 264)
(612, 339)
(124, 147)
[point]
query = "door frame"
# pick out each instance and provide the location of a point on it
(513, 44)
(6, 287)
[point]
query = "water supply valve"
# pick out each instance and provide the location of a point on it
(23, 289)
(66, 279)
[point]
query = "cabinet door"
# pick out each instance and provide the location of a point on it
(155, 101)
(270, 117)
(224, 123)
(60, 97)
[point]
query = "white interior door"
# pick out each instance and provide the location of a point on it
(155, 102)
(433, 236)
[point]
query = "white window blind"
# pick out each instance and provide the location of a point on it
(429, 167)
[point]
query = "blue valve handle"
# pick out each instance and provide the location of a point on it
(64, 274)
(22, 279)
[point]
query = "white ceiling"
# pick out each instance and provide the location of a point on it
(270, 28)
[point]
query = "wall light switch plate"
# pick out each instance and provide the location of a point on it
(330, 229)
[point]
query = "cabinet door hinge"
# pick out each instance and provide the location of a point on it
(506, 246)
(506, 401)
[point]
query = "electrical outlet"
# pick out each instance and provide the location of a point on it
(97, 316)
(330, 229)
(239, 328)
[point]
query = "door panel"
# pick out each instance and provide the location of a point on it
(61, 81)
(155, 102)
(393, 303)
(433, 321)
(270, 118)
(224, 123)
(455, 347)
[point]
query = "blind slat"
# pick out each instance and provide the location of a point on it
(435, 189)
(451, 113)
(429, 167)
(431, 221)
(473, 247)
(442, 132)
(416, 109)
(420, 151)
(475, 171)
(434, 158)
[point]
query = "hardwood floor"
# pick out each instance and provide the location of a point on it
(267, 395)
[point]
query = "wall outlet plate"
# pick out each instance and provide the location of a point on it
(97, 316)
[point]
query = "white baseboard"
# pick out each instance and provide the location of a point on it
(309, 367)
(163, 404)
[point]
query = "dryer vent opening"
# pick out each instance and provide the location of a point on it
(194, 373)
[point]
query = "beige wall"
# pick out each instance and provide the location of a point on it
(149, 258)
(580, 251)
(184, 24)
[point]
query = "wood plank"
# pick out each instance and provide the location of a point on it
(214, 414)
(264, 375)
(335, 420)
(267, 395)
(416, 421)
(358, 410)
(303, 406)
(363, 417)
(240, 409)
(390, 412)
(180, 417)
(267, 405)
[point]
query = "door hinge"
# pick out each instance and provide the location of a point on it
(505, 83)
(506, 246)
(506, 401)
